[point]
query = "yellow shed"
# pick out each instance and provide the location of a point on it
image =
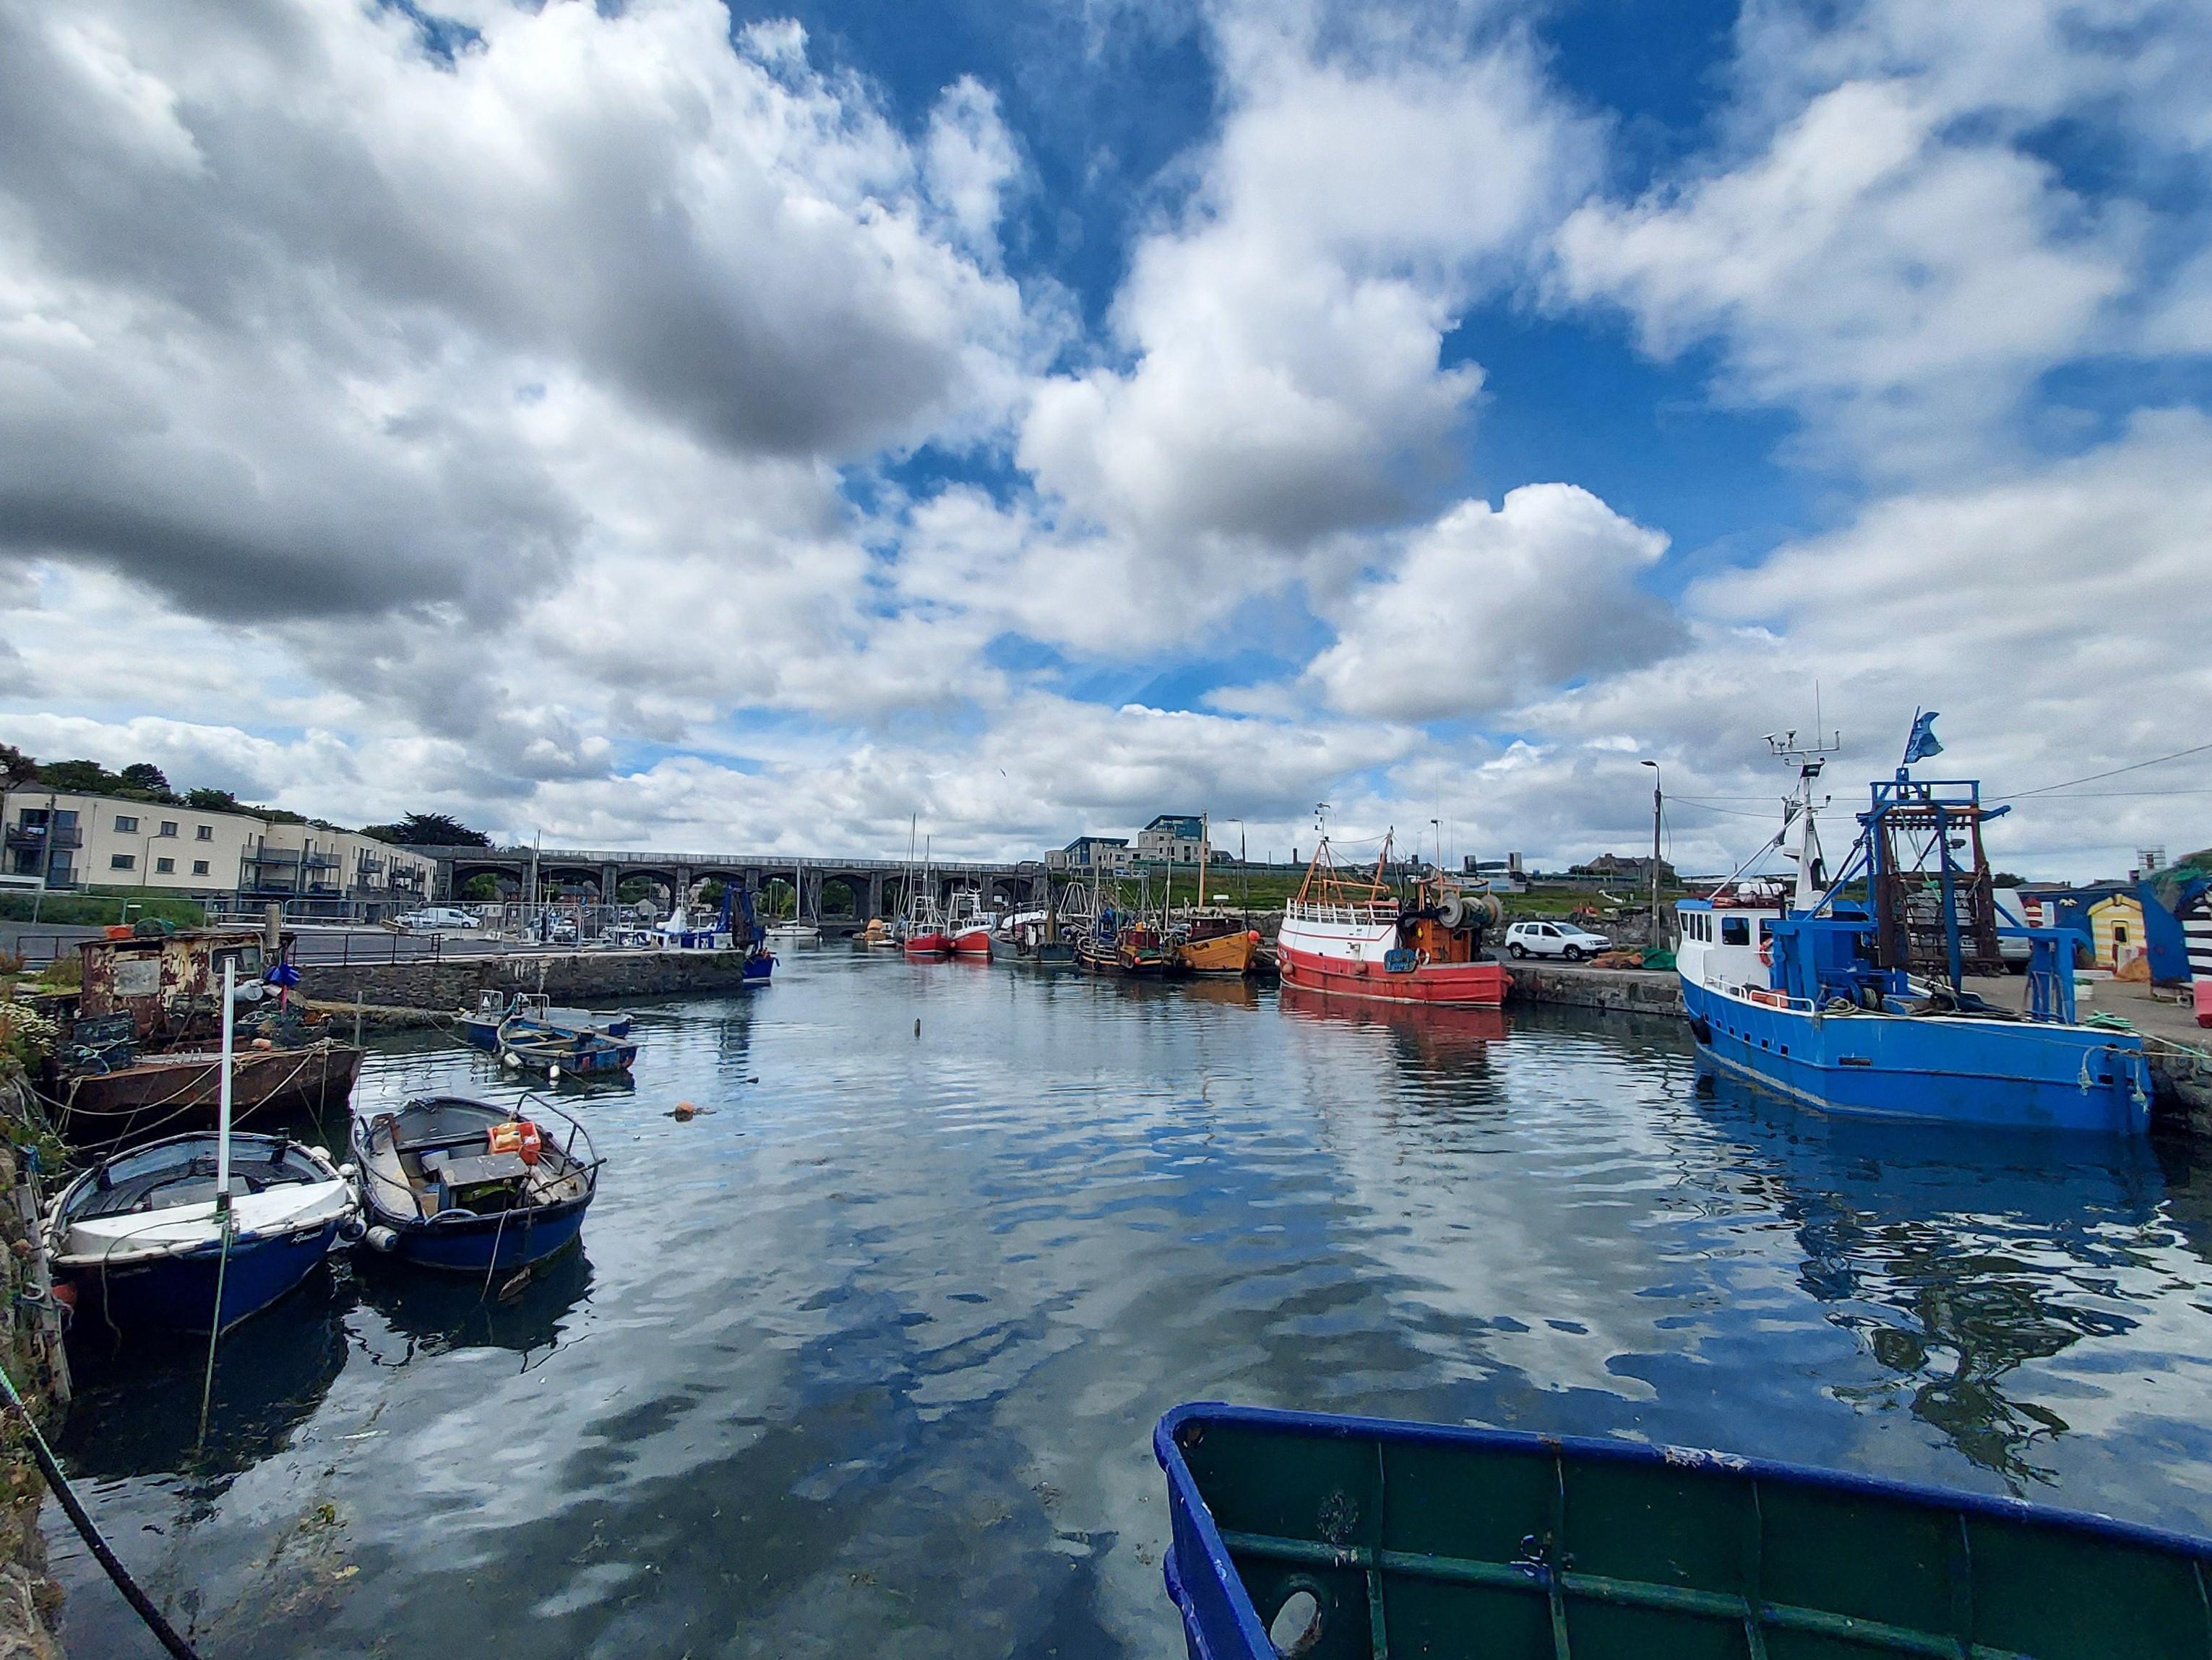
(2115, 926)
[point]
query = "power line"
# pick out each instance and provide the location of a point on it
(2134, 767)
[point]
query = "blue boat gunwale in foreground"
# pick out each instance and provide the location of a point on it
(1186, 1499)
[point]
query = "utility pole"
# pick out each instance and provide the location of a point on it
(1657, 801)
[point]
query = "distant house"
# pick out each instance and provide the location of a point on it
(1091, 853)
(1613, 866)
(1504, 875)
(1173, 838)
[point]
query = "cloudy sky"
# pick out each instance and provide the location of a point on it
(750, 426)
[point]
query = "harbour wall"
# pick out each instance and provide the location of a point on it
(572, 976)
(1630, 991)
(30, 1348)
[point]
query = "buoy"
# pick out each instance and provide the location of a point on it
(685, 1111)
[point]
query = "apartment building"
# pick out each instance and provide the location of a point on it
(74, 839)
(1173, 838)
(1091, 853)
(311, 862)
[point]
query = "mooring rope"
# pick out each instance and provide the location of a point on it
(142, 1604)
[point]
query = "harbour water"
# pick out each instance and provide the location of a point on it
(863, 1360)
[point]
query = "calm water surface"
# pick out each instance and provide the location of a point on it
(864, 1360)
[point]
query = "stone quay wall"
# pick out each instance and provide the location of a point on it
(571, 976)
(1634, 991)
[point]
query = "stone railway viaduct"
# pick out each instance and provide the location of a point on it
(832, 890)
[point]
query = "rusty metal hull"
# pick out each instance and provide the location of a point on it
(169, 1094)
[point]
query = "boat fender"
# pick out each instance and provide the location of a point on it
(509, 1059)
(1700, 1031)
(553, 1074)
(383, 1239)
(352, 1229)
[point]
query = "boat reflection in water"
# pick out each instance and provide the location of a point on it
(1231, 993)
(137, 1407)
(437, 1313)
(1432, 1031)
(1957, 1257)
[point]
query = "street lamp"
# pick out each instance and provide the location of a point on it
(1656, 802)
(1243, 865)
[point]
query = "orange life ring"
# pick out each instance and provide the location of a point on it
(1766, 952)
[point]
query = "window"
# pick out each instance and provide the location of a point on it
(169, 827)
(1735, 931)
(199, 867)
(123, 862)
(165, 867)
(204, 833)
(125, 824)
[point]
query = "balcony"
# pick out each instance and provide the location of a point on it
(23, 836)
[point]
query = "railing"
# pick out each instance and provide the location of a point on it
(1368, 914)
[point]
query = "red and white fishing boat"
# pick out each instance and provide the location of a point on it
(926, 936)
(1355, 936)
(971, 928)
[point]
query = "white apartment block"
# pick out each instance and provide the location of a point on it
(72, 840)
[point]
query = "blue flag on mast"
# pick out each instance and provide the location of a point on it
(1921, 743)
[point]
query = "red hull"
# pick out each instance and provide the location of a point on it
(1448, 985)
(930, 945)
(972, 942)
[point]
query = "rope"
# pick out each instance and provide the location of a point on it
(164, 1632)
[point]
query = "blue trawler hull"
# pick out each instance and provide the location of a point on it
(1924, 1068)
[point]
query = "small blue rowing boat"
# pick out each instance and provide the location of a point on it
(469, 1188)
(139, 1238)
(479, 1027)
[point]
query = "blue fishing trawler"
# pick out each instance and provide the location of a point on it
(1860, 1005)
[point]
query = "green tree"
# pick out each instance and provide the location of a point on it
(427, 830)
(16, 767)
(146, 782)
(212, 800)
(87, 777)
(483, 888)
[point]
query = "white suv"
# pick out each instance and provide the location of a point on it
(435, 917)
(1554, 939)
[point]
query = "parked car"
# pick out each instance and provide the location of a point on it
(432, 918)
(2011, 947)
(1554, 939)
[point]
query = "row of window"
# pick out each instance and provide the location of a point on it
(161, 866)
(127, 824)
(1734, 930)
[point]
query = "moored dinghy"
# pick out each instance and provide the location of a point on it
(471, 1188)
(1302, 1534)
(139, 1241)
(198, 1231)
